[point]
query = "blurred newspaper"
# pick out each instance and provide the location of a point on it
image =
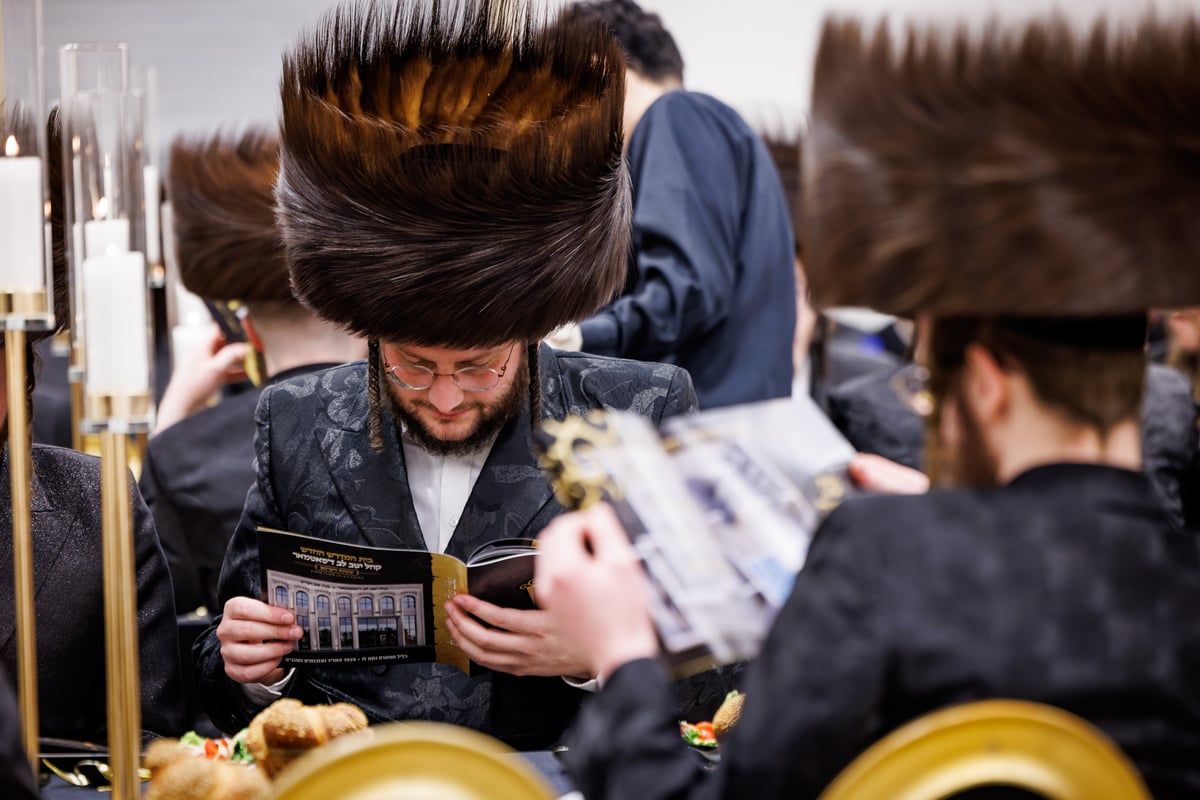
(721, 506)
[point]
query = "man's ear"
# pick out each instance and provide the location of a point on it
(986, 384)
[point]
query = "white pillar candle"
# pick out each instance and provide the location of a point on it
(153, 250)
(114, 294)
(104, 237)
(22, 221)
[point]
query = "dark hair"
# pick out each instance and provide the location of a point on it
(1094, 384)
(650, 50)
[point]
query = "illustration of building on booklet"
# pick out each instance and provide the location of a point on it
(359, 604)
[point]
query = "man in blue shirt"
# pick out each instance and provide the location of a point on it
(710, 286)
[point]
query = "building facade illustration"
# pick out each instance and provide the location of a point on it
(338, 617)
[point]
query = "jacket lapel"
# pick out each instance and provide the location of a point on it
(51, 531)
(372, 486)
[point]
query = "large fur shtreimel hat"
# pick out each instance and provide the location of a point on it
(1028, 172)
(452, 172)
(222, 197)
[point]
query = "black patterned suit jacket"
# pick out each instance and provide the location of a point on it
(318, 475)
(1068, 586)
(69, 601)
(194, 478)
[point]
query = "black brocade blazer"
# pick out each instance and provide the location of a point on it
(1069, 586)
(195, 475)
(68, 576)
(194, 478)
(318, 475)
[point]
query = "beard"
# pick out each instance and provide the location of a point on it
(965, 461)
(494, 414)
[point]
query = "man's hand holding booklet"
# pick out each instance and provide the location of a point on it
(372, 605)
(720, 507)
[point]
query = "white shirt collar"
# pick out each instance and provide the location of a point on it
(440, 487)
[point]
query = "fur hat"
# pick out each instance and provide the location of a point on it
(222, 196)
(1032, 172)
(452, 172)
(58, 238)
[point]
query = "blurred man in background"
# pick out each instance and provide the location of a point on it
(710, 285)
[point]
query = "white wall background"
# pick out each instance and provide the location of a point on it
(218, 60)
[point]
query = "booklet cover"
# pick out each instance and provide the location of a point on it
(374, 605)
(720, 505)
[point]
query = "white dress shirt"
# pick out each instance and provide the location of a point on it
(440, 486)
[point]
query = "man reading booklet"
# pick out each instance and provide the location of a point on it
(380, 605)
(453, 254)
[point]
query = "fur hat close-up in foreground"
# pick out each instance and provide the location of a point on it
(1029, 171)
(452, 172)
(222, 197)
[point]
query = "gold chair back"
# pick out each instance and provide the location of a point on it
(1029, 746)
(416, 761)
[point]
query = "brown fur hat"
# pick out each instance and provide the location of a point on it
(452, 171)
(1031, 172)
(222, 195)
(58, 239)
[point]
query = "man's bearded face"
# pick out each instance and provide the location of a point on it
(446, 420)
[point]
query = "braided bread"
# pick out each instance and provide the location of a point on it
(287, 729)
(728, 714)
(177, 774)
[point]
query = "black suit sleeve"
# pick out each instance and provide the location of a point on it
(810, 696)
(158, 632)
(16, 778)
(223, 699)
(171, 532)
(681, 397)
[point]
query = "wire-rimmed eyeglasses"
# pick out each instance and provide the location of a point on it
(469, 379)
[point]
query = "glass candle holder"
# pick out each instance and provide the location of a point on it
(103, 133)
(146, 83)
(83, 67)
(26, 268)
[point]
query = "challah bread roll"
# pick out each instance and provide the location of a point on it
(287, 729)
(176, 773)
(728, 714)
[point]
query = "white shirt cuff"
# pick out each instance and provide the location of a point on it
(260, 694)
(592, 685)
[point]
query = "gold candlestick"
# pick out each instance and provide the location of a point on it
(120, 617)
(77, 415)
(20, 471)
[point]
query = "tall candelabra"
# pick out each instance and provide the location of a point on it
(105, 180)
(85, 67)
(26, 301)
